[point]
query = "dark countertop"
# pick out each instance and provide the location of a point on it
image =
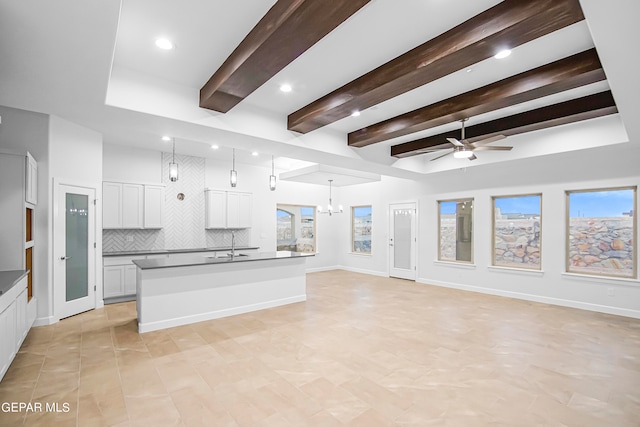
(174, 251)
(9, 278)
(147, 264)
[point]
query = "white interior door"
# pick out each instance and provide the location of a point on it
(74, 252)
(402, 240)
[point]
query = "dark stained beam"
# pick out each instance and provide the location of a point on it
(574, 71)
(287, 30)
(508, 24)
(587, 107)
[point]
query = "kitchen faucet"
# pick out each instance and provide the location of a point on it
(233, 244)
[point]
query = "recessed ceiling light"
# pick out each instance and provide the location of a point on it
(164, 44)
(503, 54)
(469, 70)
(214, 147)
(255, 153)
(166, 138)
(355, 114)
(286, 88)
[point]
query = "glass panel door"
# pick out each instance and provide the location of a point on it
(77, 246)
(402, 240)
(74, 250)
(402, 219)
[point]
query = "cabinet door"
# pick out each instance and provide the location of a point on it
(21, 318)
(216, 209)
(7, 337)
(111, 205)
(233, 210)
(31, 187)
(153, 204)
(113, 278)
(244, 210)
(132, 205)
(130, 279)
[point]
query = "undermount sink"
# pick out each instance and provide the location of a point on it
(226, 256)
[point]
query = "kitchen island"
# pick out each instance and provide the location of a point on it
(174, 292)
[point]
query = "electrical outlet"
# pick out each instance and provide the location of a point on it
(129, 238)
(611, 292)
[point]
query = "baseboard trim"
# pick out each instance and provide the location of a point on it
(536, 298)
(201, 317)
(363, 271)
(44, 321)
(319, 269)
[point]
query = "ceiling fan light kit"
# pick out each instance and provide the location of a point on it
(463, 149)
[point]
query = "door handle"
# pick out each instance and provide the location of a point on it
(64, 258)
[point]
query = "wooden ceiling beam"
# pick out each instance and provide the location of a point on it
(508, 24)
(568, 73)
(587, 107)
(285, 32)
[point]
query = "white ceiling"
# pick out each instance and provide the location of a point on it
(95, 63)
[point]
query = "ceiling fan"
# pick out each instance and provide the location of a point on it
(462, 149)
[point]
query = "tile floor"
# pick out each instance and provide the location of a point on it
(363, 351)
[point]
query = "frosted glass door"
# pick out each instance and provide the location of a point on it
(402, 241)
(74, 250)
(77, 246)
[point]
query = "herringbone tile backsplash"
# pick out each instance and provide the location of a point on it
(183, 219)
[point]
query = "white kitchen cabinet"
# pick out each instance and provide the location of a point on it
(31, 180)
(21, 317)
(119, 276)
(216, 209)
(13, 323)
(228, 209)
(153, 206)
(111, 205)
(113, 281)
(132, 206)
(129, 279)
(7, 337)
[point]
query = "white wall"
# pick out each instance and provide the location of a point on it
(126, 164)
(588, 169)
(23, 131)
(75, 158)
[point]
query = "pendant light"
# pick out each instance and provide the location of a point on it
(272, 178)
(173, 166)
(330, 206)
(234, 174)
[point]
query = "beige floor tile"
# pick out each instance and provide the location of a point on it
(361, 351)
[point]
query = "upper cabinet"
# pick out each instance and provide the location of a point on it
(228, 209)
(31, 180)
(132, 206)
(153, 202)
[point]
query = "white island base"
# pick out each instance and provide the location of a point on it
(169, 296)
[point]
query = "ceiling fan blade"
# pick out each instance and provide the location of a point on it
(496, 148)
(473, 157)
(455, 142)
(488, 140)
(445, 154)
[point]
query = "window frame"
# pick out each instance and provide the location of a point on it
(353, 230)
(634, 234)
(439, 240)
(315, 222)
(493, 232)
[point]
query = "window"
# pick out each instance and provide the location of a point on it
(601, 232)
(516, 231)
(296, 228)
(361, 229)
(455, 222)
